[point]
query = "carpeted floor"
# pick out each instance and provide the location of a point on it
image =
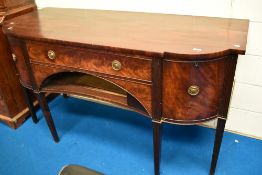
(118, 142)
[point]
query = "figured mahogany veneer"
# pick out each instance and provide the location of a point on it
(171, 68)
(178, 104)
(140, 91)
(91, 60)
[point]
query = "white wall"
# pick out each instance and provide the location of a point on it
(245, 114)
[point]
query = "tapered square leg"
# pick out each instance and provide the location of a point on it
(157, 146)
(218, 140)
(43, 104)
(30, 104)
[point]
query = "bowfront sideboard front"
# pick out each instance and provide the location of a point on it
(169, 68)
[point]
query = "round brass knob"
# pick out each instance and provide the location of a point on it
(14, 57)
(51, 54)
(193, 90)
(116, 65)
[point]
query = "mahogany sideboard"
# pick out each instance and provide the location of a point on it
(170, 68)
(13, 107)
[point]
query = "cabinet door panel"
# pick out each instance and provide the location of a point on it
(192, 90)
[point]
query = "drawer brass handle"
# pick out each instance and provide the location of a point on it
(14, 57)
(193, 90)
(116, 65)
(51, 54)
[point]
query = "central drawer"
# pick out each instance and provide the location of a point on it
(137, 68)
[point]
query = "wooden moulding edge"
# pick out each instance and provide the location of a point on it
(18, 119)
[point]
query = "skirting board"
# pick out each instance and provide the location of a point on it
(231, 131)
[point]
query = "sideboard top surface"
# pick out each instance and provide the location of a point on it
(145, 32)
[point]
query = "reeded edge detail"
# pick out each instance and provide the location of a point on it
(189, 122)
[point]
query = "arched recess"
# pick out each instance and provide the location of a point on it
(91, 87)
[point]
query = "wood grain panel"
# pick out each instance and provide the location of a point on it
(146, 33)
(178, 105)
(91, 60)
(141, 92)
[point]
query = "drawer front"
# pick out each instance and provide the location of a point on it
(142, 92)
(192, 91)
(91, 60)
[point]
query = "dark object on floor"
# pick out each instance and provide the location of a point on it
(77, 170)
